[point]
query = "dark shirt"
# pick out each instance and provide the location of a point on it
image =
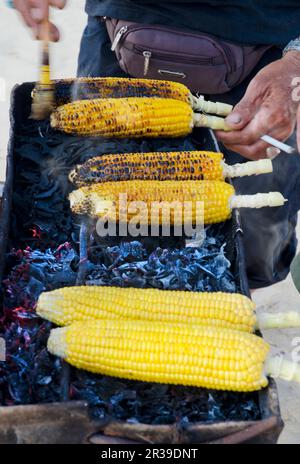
(251, 22)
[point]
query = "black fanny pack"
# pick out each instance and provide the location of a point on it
(202, 62)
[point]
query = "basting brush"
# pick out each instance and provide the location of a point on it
(43, 93)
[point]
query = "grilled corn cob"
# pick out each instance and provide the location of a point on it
(69, 90)
(183, 165)
(166, 201)
(67, 305)
(182, 354)
(131, 117)
(227, 310)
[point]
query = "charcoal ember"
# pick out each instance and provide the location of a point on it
(32, 375)
(142, 402)
(35, 271)
(198, 269)
(124, 252)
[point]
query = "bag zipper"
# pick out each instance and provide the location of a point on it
(147, 55)
(170, 56)
(118, 37)
(125, 30)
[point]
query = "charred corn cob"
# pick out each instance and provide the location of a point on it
(183, 165)
(166, 201)
(131, 117)
(182, 354)
(69, 90)
(67, 305)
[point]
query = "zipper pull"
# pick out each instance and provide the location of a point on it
(147, 55)
(118, 37)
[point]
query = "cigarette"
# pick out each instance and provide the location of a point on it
(275, 143)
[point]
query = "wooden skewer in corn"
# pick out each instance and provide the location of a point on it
(217, 198)
(183, 354)
(132, 117)
(180, 165)
(88, 88)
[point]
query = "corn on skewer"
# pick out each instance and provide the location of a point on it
(182, 354)
(227, 310)
(207, 357)
(287, 320)
(131, 117)
(67, 305)
(184, 165)
(69, 90)
(165, 201)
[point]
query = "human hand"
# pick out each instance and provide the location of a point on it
(34, 12)
(298, 129)
(268, 107)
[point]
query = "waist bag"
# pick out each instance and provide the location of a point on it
(202, 62)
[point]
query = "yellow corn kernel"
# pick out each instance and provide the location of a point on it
(125, 117)
(181, 354)
(183, 165)
(104, 200)
(68, 90)
(70, 304)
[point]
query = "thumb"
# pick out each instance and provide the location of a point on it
(298, 129)
(242, 113)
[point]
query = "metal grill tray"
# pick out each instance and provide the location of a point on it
(23, 424)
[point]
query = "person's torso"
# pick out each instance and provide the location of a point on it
(243, 21)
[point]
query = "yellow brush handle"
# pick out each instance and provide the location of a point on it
(45, 66)
(45, 79)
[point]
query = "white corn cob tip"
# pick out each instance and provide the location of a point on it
(49, 305)
(259, 200)
(57, 344)
(212, 122)
(280, 368)
(94, 205)
(218, 108)
(263, 166)
(286, 320)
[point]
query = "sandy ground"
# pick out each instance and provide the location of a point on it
(19, 63)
